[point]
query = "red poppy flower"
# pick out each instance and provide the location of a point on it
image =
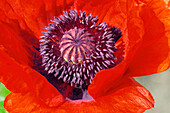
(143, 49)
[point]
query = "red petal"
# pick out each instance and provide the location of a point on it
(154, 53)
(18, 103)
(15, 57)
(18, 42)
(20, 78)
(15, 46)
(35, 13)
(104, 80)
(126, 97)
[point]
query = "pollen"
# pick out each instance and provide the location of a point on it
(75, 47)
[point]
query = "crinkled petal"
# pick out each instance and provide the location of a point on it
(22, 79)
(15, 46)
(18, 103)
(153, 55)
(126, 97)
(20, 44)
(35, 13)
(104, 80)
(15, 60)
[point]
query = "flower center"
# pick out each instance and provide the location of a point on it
(75, 48)
(76, 44)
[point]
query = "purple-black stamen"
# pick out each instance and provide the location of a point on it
(75, 48)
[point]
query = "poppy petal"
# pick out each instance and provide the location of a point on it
(129, 96)
(154, 53)
(16, 57)
(20, 45)
(20, 78)
(18, 103)
(104, 80)
(37, 13)
(16, 46)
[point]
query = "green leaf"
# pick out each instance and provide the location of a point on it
(3, 93)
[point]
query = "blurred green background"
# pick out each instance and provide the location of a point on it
(3, 93)
(157, 84)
